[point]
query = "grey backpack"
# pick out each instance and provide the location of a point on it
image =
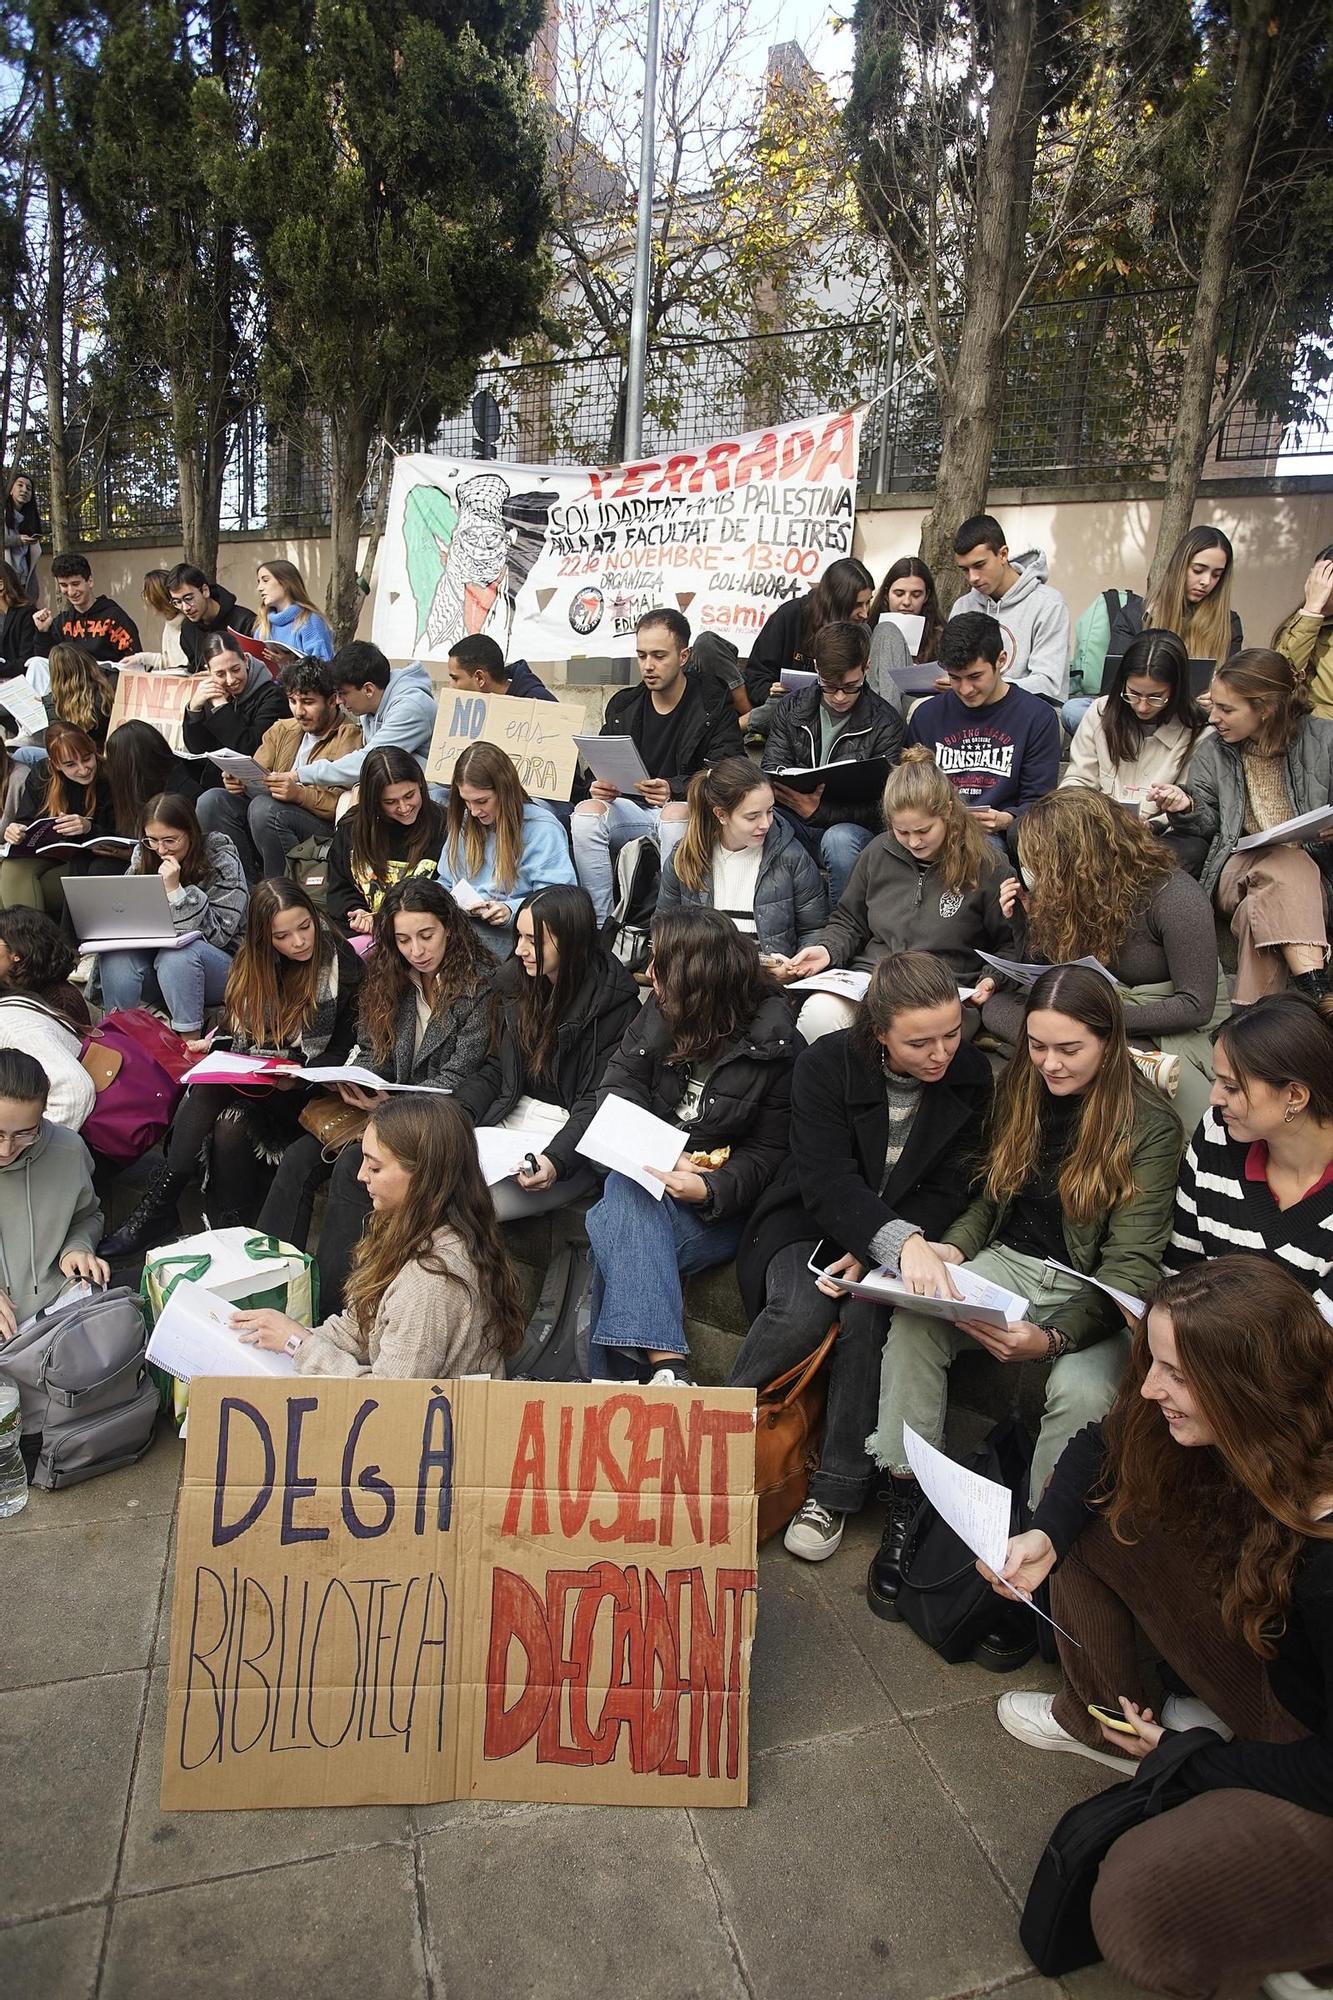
(84, 1386)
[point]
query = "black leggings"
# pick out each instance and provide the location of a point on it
(231, 1146)
(291, 1201)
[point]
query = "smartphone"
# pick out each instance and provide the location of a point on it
(1106, 1713)
(826, 1252)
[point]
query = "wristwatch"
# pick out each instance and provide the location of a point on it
(293, 1343)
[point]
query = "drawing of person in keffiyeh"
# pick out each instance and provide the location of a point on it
(457, 552)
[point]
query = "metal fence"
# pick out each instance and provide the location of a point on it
(1090, 392)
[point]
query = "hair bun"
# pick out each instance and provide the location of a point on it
(917, 753)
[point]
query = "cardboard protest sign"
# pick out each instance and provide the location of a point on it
(549, 560)
(405, 1592)
(157, 698)
(537, 735)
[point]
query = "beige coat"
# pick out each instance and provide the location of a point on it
(429, 1327)
(277, 752)
(1162, 761)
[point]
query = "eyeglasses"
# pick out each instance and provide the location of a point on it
(840, 687)
(1145, 700)
(168, 845)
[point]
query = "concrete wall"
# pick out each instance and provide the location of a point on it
(1093, 538)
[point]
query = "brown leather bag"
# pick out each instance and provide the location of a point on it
(326, 1117)
(789, 1417)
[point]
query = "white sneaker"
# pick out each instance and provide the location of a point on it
(1293, 1986)
(814, 1533)
(1186, 1711)
(671, 1375)
(1029, 1718)
(1161, 1070)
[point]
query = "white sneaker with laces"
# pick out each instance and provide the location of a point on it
(1029, 1718)
(670, 1375)
(814, 1533)
(1186, 1711)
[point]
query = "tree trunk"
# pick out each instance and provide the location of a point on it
(349, 457)
(61, 533)
(971, 395)
(1193, 428)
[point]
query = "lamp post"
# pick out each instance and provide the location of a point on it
(636, 368)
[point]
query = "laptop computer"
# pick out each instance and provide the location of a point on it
(122, 913)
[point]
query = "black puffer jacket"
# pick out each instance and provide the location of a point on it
(746, 1101)
(603, 1008)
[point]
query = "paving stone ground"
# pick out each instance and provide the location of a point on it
(891, 1830)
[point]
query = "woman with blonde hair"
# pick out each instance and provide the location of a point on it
(499, 842)
(80, 693)
(930, 882)
(292, 993)
(739, 856)
(1268, 760)
(287, 614)
(1147, 921)
(1193, 600)
(1081, 1159)
(1200, 1514)
(432, 1295)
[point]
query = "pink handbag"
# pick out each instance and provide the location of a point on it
(135, 1062)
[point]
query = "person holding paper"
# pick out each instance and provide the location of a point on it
(562, 1006)
(1201, 1513)
(1081, 1159)
(265, 828)
(932, 882)
(394, 833)
(70, 790)
(886, 1117)
(287, 612)
(1258, 1172)
(292, 993)
(431, 1294)
(50, 1217)
(230, 707)
(501, 842)
(787, 636)
(207, 892)
(394, 708)
(1148, 922)
(908, 589)
(711, 1053)
(742, 858)
(677, 725)
(997, 741)
(839, 720)
(95, 624)
(424, 1018)
(1267, 760)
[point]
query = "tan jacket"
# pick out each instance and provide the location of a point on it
(429, 1327)
(277, 752)
(1308, 644)
(1162, 761)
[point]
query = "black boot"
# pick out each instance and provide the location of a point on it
(885, 1574)
(1316, 986)
(153, 1222)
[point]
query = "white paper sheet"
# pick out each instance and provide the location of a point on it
(982, 1300)
(223, 1067)
(466, 896)
(150, 941)
(234, 765)
(978, 1510)
(1126, 1300)
(842, 980)
(1291, 833)
(613, 759)
(194, 1336)
(910, 623)
(629, 1140)
(25, 706)
(1028, 975)
(501, 1148)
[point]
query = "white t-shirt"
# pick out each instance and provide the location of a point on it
(735, 880)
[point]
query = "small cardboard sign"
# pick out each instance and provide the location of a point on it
(157, 698)
(537, 735)
(405, 1592)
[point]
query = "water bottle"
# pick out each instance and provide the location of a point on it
(13, 1472)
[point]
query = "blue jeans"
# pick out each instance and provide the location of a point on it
(597, 838)
(262, 830)
(835, 848)
(642, 1248)
(186, 981)
(1073, 711)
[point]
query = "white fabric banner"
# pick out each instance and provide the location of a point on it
(554, 560)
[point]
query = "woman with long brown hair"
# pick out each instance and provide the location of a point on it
(139, 763)
(70, 789)
(431, 1294)
(1148, 923)
(503, 844)
(206, 892)
(424, 1019)
(394, 832)
(908, 590)
(1267, 760)
(711, 1053)
(1201, 1513)
(80, 694)
(287, 613)
(787, 638)
(1142, 732)
(18, 635)
(292, 993)
(1193, 600)
(739, 856)
(561, 1005)
(1081, 1163)
(931, 882)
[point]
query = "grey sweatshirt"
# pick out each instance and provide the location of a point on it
(405, 718)
(1038, 634)
(47, 1206)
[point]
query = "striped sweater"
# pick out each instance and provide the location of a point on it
(1224, 1205)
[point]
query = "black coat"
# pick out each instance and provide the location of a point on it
(746, 1101)
(602, 1009)
(872, 729)
(32, 801)
(231, 616)
(709, 728)
(238, 724)
(19, 640)
(830, 1184)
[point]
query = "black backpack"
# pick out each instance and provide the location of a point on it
(638, 879)
(555, 1343)
(943, 1597)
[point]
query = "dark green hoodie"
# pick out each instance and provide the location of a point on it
(47, 1206)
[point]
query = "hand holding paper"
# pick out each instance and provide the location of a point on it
(629, 1140)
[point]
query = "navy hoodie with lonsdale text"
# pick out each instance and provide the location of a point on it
(1003, 756)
